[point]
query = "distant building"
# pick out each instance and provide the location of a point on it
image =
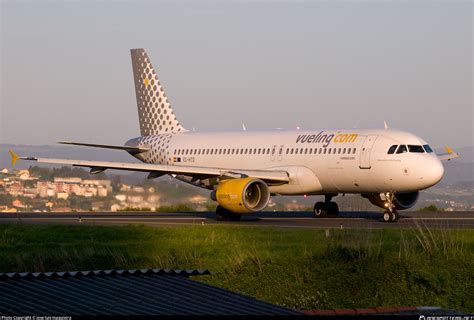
(115, 207)
(30, 192)
(76, 186)
(135, 199)
(15, 188)
(106, 183)
(68, 180)
(7, 209)
(121, 197)
(50, 193)
(62, 195)
(23, 174)
(102, 191)
(138, 189)
(17, 203)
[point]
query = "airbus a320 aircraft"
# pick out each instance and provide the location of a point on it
(243, 169)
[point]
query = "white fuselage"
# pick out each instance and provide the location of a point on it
(317, 161)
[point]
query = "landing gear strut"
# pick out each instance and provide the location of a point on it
(328, 207)
(390, 214)
(227, 215)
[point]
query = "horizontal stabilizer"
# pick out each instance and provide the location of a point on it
(107, 146)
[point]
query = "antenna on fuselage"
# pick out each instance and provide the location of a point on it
(385, 125)
(244, 128)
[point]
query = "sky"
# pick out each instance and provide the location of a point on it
(66, 71)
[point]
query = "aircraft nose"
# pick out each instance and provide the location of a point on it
(434, 171)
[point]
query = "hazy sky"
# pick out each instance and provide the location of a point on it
(66, 72)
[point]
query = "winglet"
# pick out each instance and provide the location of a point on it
(449, 150)
(14, 156)
(450, 154)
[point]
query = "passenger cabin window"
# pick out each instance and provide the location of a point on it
(427, 148)
(392, 149)
(415, 149)
(402, 149)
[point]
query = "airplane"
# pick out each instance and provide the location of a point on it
(244, 169)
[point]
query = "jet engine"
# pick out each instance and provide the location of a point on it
(243, 195)
(402, 201)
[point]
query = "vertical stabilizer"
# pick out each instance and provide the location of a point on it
(154, 110)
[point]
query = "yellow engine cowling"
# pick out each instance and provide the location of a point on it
(244, 195)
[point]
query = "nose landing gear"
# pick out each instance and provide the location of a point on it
(328, 207)
(390, 214)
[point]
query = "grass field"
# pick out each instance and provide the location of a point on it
(302, 269)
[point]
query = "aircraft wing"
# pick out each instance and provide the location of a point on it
(450, 154)
(156, 170)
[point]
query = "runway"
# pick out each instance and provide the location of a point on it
(289, 220)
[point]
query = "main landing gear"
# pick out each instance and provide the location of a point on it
(390, 214)
(328, 207)
(227, 215)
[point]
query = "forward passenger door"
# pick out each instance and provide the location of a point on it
(365, 152)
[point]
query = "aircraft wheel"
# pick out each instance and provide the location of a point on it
(320, 210)
(387, 216)
(333, 208)
(395, 216)
(227, 215)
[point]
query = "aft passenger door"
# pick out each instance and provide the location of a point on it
(364, 161)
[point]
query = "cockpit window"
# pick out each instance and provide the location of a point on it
(416, 149)
(392, 149)
(402, 149)
(427, 148)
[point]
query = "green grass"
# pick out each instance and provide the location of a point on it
(303, 269)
